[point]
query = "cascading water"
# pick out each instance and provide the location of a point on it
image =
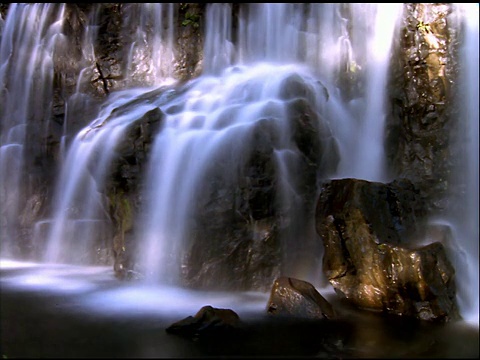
(471, 73)
(152, 26)
(466, 222)
(29, 37)
(268, 35)
(80, 208)
(78, 102)
(368, 158)
(219, 49)
(212, 121)
(279, 44)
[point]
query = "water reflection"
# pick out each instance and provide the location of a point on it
(74, 311)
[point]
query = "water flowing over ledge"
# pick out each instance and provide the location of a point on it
(211, 122)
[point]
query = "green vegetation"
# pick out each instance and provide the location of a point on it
(424, 27)
(191, 19)
(353, 66)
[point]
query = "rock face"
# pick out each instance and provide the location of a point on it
(370, 257)
(290, 297)
(420, 127)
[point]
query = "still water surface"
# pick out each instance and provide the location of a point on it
(85, 312)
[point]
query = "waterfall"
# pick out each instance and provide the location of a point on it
(219, 49)
(466, 222)
(337, 55)
(78, 102)
(368, 160)
(79, 205)
(270, 31)
(80, 209)
(332, 39)
(214, 122)
(221, 110)
(29, 37)
(150, 28)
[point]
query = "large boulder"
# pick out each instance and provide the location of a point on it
(367, 230)
(296, 298)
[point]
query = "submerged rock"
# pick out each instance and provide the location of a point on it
(365, 228)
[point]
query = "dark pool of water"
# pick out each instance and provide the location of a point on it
(68, 312)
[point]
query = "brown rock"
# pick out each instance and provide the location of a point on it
(297, 298)
(366, 229)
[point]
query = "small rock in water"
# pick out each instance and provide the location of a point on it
(298, 298)
(208, 322)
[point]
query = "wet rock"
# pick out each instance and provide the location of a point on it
(242, 225)
(220, 332)
(297, 298)
(419, 131)
(207, 323)
(124, 184)
(366, 228)
(189, 62)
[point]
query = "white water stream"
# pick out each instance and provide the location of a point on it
(28, 40)
(240, 86)
(466, 223)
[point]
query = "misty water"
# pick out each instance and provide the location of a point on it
(212, 119)
(78, 311)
